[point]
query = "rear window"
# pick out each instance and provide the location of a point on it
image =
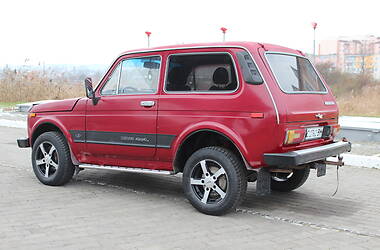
(295, 74)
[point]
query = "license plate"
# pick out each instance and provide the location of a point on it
(313, 133)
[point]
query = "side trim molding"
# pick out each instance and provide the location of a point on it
(123, 138)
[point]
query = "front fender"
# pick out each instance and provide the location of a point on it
(33, 127)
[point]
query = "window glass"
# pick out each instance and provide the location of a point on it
(295, 74)
(140, 75)
(250, 73)
(134, 76)
(201, 73)
(110, 87)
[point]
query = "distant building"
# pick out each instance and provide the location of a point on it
(352, 54)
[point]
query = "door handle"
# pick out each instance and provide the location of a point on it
(147, 103)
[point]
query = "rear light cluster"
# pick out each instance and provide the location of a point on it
(295, 136)
(335, 130)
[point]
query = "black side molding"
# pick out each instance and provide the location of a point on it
(304, 156)
(123, 138)
(23, 143)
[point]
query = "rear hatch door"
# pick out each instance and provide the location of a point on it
(303, 93)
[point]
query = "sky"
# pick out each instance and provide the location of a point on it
(95, 32)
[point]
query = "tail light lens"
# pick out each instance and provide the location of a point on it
(335, 130)
(294, 136)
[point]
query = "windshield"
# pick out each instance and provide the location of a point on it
(295, 74)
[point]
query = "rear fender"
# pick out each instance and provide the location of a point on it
(214, 127)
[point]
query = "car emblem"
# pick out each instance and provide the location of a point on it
(319, 116)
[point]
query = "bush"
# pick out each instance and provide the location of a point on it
(33, 85)
(356, 94)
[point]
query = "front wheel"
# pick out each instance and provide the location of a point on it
(286, 182)
(51, 159)
(214, 180)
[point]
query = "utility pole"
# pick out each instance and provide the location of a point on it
(224, 30)
(314, 25)
(148, 36)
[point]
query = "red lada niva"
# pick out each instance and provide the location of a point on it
(223, 114)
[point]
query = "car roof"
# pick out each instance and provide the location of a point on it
(247, 45)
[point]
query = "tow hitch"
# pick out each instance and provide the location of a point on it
(320, 166)
(264, 174)
(287, 162)
(339, 163)
(321, 169)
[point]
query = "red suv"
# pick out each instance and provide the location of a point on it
(222, 114)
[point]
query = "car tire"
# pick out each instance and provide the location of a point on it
(285, 182)
(214, 180)
(51, 159)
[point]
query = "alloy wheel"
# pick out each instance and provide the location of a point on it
(46, 159)
(209, 181)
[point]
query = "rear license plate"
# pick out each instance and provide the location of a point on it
(314, 133)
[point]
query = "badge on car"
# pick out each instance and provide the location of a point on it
(313, 133)
(319, 116)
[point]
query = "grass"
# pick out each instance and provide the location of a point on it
(27, 86)
(356, 94)
(364, 103)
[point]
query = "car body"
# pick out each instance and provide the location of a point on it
(265, 104)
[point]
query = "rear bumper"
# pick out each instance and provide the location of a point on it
(23, 143)
(304, 156)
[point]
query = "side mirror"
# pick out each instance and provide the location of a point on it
(90, 93)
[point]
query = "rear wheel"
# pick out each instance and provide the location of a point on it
(286, 182)
(51, 159)
(214, 180)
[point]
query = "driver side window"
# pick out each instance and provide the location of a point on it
(134, 76)
(110, 88)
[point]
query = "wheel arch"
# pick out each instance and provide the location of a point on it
(42, 128)
(191, 142)
(50, 126)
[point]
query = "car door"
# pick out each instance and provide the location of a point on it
(121, 127)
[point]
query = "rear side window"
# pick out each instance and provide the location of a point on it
(201, 73)
(295, 74)
(250, 73)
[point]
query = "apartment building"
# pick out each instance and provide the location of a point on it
(352, 54)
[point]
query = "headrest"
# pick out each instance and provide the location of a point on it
(220, 76)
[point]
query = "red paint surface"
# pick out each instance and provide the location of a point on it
(183, 114)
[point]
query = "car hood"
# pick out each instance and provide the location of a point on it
(56, 106)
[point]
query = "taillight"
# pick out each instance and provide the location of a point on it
(335, 130)
(294, 136)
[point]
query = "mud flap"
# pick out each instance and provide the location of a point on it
(321, 169)
(263, 182)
